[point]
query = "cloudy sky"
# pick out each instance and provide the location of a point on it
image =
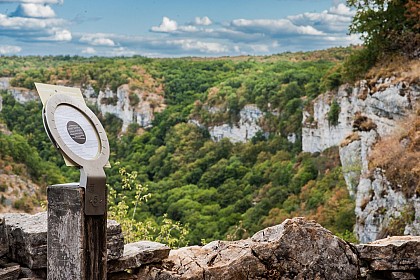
(171, 28)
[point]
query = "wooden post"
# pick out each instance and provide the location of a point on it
(76, 243)
(96, 253)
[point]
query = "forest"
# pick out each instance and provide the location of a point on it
(219, 190)
(173, 176)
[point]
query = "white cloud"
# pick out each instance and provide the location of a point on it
(167, 25)
(20, 23)
(336, 19)
(5, 49)
(98, 39)
(121, 51)
(202, 21)
(188, 28)
(59, 35)
(273, 26)
(34, 11)
(343, 10)
(194, 45)
(260, 48)
(89, 50)
(34, 1)
(345, 40)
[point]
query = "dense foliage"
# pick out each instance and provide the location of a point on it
(220, 189)
(386, 27)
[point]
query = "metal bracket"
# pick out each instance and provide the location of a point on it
(94, 181)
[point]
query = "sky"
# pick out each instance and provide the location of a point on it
(172, 28)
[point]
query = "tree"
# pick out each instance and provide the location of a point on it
(383, 23)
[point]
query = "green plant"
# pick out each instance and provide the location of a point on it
(397, 224)
(123, 209)
(134, 99)
(333, 113)
(347, 236)
(3, 187)
(237, 232)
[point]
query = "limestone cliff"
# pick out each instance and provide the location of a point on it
(242, 131)
(137, 106)
(368, 112)
(129, 105)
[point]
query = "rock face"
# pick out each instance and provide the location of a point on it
(138, 106)
(115, 240)
(244, 130)
(383, 108)
(296, 249)
(317, 133)
(366, 116)
(131, 107)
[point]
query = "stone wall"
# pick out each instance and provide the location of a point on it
(296, 249)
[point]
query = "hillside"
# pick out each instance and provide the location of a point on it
(216, 142)
(221, 189)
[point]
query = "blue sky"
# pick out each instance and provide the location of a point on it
(171, 28)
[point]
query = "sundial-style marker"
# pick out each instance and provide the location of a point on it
(76, 131)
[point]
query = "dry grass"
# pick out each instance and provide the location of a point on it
(398, 66)
(363, 123)
(350, 138)
(398, 155)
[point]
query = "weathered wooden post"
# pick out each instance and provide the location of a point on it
(77, 214)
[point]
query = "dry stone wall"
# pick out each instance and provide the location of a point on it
(296, 249)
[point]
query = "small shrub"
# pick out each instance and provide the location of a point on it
(134, 99)
(358, 64)
(396, 225)
(123, 208)
(24, 204)
(363, 123)
(3, 187)
(334, 113)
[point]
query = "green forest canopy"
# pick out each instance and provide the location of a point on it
(220, 189)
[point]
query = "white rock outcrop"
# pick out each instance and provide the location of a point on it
(365, 117)
(244, 130)
(116, 103)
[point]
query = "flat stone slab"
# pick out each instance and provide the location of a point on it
(139, 253)
(23, 238)
(10, 273)
(27, 238)
(396, 253)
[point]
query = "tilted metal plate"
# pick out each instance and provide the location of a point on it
(78, 134)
